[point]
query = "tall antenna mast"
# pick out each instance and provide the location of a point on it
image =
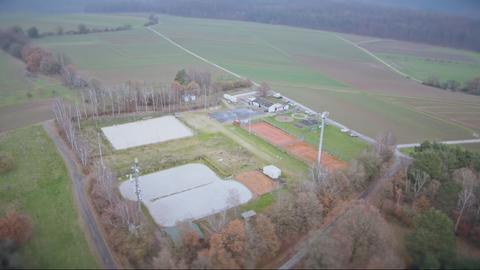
(136, 175)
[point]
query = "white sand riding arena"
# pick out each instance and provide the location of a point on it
(146, 132)
(187, 192)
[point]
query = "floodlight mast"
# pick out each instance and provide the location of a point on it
(320, 144)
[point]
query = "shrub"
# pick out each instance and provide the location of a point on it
(432, 244)
(7, 162)
(16, 227)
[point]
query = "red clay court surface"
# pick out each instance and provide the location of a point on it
(294, 146)
(257, 182)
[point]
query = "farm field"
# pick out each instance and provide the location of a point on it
(17, 88)
(424, 61)
(40, 187)
(315, 68)
(339, 78)
(49, 22)
(25, 100)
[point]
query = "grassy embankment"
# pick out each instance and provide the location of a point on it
(40, 187)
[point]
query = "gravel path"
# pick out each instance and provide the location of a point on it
(409, 145)
(94, 232)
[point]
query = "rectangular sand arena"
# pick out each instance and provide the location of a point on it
(187, 192)
(144, 132)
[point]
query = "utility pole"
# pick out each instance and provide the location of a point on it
(320, 144)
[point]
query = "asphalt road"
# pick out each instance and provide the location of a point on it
(86, 212)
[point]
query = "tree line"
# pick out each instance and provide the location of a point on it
(339, 16)
(470, 87)
(438, 197)
(34, 32)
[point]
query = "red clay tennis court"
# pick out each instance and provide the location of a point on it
(294, 146)
(272, 134)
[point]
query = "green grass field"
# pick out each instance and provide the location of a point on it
(339, 144)
(16, 88)
(40, 187)
(423, 69)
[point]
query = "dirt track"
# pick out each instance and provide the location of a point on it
(94, 232)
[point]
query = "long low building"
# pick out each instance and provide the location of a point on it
(268, 106)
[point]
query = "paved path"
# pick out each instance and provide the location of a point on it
(94, 232)
(409, 145)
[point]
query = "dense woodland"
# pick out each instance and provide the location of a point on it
(340, 16)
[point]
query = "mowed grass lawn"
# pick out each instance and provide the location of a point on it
(339, 144)
(40, 187)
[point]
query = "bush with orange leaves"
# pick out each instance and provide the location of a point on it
(227, 249)
(16, 227)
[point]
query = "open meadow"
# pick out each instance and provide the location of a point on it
(40, 187)
(25, 100)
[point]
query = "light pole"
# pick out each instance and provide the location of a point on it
(320, 144)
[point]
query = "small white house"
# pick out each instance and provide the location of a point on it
(189, 98)
(277, 107)
(272, 171)
(230, 98)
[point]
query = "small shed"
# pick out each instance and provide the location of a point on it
(248, 214)
(272, 171)
(230, 98)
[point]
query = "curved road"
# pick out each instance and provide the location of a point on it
(94, 233)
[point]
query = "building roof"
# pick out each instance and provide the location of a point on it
(248, 214)
(272, 171)
(263, 102)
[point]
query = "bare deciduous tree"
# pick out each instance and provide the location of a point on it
(263, 89)
(385, 146)
(468, 181)
(417, 179)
